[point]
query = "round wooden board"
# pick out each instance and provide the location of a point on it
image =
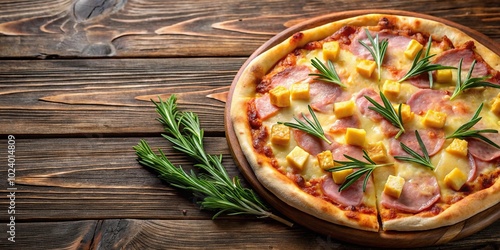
(391, 239)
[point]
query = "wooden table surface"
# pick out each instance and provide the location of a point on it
(76, 78)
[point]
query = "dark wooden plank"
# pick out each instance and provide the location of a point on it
(195, 234)
(98, 178)
(92, 98)
(146, 28)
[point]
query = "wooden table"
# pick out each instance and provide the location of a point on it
(76, 78)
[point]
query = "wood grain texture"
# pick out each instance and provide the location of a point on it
(93, 178)
(92, 98)
(154, 28)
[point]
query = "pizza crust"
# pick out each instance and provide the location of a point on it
(287, 191)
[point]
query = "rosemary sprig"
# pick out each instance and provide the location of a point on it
(388, 112)
(217, 190)
(464, 131)
(365, 168)
(423, 65)
(311, 127)
(378, 50)
(469, 82)
(327, 72)
(423, 159)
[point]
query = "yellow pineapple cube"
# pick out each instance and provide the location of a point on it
(455, 179)
(377, 152)
(297, 157)
(391, 89)
(280, 96)
(355, 136)
(434, 119)
(412, 49)
(406, 113)
(339, 176)
(495, 106)
(394, 186)
(444, 75)
(299, 91)
(280, 134)
(366, 67)
(458, 147)
(344, 109)
(331, 50)
(325, 160)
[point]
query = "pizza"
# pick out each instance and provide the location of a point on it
(376, 122)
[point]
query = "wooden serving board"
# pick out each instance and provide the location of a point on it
(380, 239)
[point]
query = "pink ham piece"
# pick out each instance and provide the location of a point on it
(483, 151)
(351, 196)
(465, 52)
(473, 168)
(312, 144)
(264, 107)
(433, 140)
(323, 95)
(438, 100)
(419, 193)
(285, 78)
(341, 125)
(397, 44)
(363, 103)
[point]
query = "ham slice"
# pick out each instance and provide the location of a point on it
(397, 44)
(438, 100)
(342, 124)
(483, 151)
(285, 78)
(264, 107)
(465, 52)
(324, 94)
(433, 140)
(473, 168)
(312, 144)
(419, 193)
(351, 196)
(363, 104)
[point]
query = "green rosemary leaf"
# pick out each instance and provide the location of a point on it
(424, 65)
(468, 82)
(364, 169)
(423, 159)
(377, 50)
(327, 72)
(311, 127)
(388, 112)
(464, 131)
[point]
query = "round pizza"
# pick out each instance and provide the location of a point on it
(375, 122)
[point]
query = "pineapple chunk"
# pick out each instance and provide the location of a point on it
(495, 106)
(406, 113)
(412, 49)
(455, 179)
(297, 157)
(434, 119)
(280, 134)
(280, 96)
(457, 147)
(325, 160)
(355, 136)
(331, 50)
(444, 75)
(339, 176)
(344, 109)
(299, 91)
(391, 89)
(366, 67)
(377, 152)
(394, 186)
